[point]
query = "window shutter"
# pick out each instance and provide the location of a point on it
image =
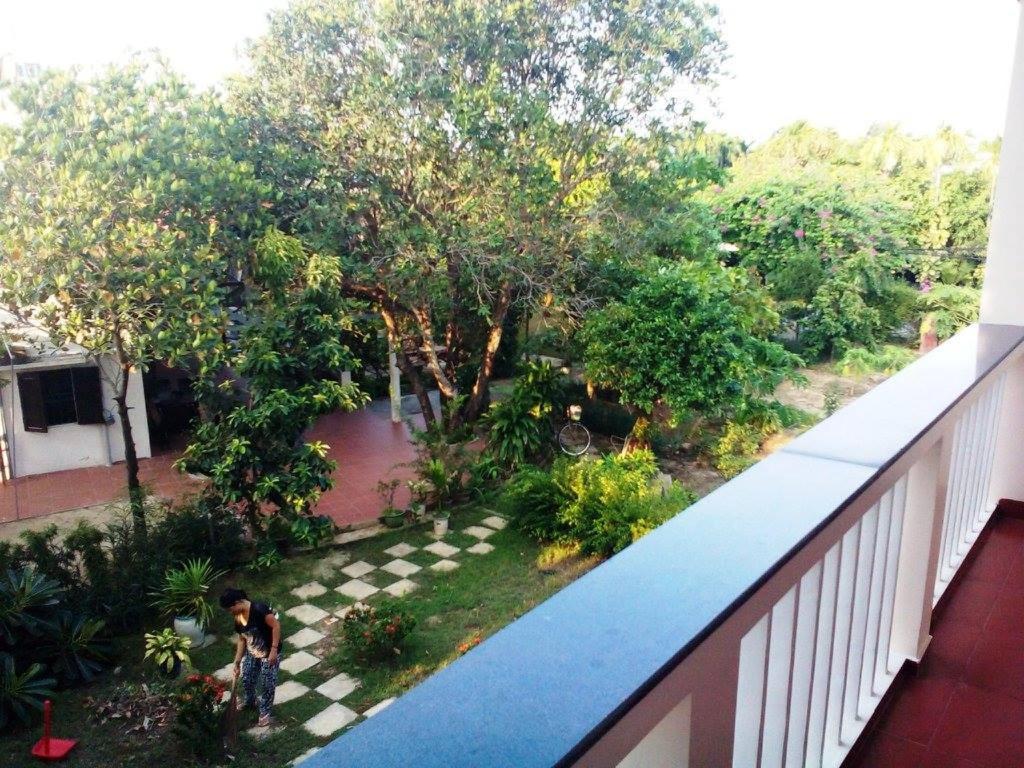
(88, 396)
(33, 409)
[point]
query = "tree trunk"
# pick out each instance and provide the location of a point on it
(483, 378)
(131, 458)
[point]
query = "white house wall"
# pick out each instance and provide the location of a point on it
(74, 446)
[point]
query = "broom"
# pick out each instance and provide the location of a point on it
(230, 723)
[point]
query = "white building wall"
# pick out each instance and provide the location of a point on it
(1002, 296)
(73, 446)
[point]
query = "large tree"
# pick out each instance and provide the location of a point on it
(688, 336)
(123, 206)
(450, 152)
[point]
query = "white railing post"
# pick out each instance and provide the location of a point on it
(1007, 477)
(920, 550)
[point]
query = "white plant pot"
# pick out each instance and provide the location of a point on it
(188, 626)
(440, 526)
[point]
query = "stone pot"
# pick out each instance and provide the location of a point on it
(440, 525)
(188, 626)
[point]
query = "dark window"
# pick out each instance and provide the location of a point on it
(62, 396)
(58, 397)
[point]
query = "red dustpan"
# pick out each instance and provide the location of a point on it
(49, 748)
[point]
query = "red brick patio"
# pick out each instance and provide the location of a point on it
(366, 445)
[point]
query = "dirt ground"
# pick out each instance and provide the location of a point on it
(811, 397)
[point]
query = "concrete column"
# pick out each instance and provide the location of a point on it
(395, 387)
(1002, 297)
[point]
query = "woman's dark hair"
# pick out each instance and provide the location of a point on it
(230, 596)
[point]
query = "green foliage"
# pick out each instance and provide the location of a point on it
(519, 427)
(312, 531)
(441, 467)
(110, 572)
(22, 693)
(601, 504)
(44, 639)
(833, 399)
(950, 307)
(184, 591)
(532, 499)
(689, 336)
(197, 720)
(859, 361)
(377, 632)
(287, 362)
(480, 214)
(167, 648)
(268, 555)
(122, 204)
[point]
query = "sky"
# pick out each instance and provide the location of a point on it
(845, 65)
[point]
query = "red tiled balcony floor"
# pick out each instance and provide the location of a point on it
(964, 708)
(366, 445)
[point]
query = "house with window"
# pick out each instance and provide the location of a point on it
(56, 406)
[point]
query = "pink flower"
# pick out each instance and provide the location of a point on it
(799, 234)
(826, 214)
(926, 285)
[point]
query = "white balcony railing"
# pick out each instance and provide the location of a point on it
(762, 626)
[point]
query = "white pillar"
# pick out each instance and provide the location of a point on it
(395, 387)
(1002, 297)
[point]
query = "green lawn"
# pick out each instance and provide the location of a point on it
(485, 593)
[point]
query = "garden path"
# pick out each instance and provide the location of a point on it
(310, 690)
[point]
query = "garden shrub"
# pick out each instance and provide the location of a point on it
(858, 361)
(198, 711)
(109, 572)
(519, 427)
(44, 640)
(532, 500)
(376, 632)
(952, 307)
(734, 451)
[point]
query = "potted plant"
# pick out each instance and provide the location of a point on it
(392, 518)
(183, 596)
(168, 649)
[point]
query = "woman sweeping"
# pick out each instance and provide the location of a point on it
(258, 651)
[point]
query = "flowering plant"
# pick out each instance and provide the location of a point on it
(473, 642)
(376, 632)
(198, 708)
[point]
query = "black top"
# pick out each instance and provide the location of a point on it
(256, 632)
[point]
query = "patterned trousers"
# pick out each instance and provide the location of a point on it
(259, 673)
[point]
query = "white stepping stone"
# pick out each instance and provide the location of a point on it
(299, 661)
(261, 733)
(305, 637)
(400, 588)
(304, 756)
(441, 549)
(338, 687)
(330, 721)
(379, 707)
(495, 522)
(307, 614)
(400, 550)
(358, 569)
(356, 589)
(289, 690)
(401, 568)
(312, 589)
(479, 532)
(444, 566)
(225, 673)
(481, 549)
